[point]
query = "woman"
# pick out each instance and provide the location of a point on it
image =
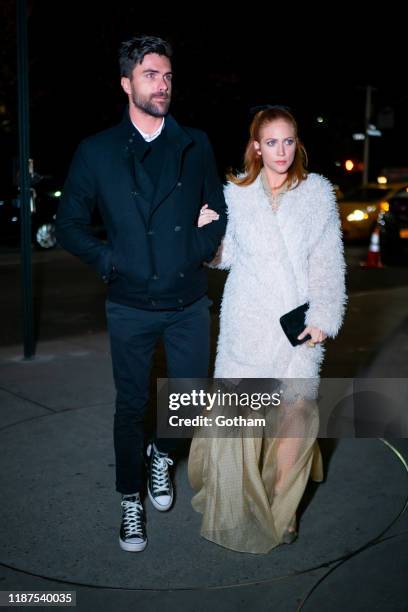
(283, 248)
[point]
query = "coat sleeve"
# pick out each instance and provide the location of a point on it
(74, 216)
(209, 236)
(326, 270)
(226, 251)
(225, 255)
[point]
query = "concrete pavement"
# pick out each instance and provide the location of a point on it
(60, 514)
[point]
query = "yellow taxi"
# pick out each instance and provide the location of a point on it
(359, 208)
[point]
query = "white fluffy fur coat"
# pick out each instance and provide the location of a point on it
(277, 261)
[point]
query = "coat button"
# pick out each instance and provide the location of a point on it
(150, 233)
(179, 184)
(181, 274)
(177, 228)
(155, 277)
(180, 301)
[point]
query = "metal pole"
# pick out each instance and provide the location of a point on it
(367, 137)
(24, 179)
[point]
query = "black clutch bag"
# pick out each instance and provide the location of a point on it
(293, 323)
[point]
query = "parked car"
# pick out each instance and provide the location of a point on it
(46, 192)
(393, 224)
(359, 208)
(43, 205)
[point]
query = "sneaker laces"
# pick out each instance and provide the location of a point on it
(160, 473)
(132, 518)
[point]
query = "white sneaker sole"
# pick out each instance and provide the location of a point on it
(132, 547)
(159, 506)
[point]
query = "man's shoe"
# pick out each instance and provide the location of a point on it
(132, 536)
(159, 485)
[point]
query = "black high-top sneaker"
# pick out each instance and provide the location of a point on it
(132, 536)
(159, 486)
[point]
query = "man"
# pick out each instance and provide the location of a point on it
(149, 178)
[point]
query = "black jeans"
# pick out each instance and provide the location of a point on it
(134, 334)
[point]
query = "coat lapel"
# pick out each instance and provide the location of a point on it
(133, 153)
(144, 184)
(177, 142)
(169, 175)
(134, 150)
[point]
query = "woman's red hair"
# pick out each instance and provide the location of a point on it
(253, 162)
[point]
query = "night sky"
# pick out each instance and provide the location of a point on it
(224, 64)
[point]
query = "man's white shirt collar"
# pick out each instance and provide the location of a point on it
(149, 137)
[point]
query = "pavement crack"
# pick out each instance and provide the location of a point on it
(27, 399)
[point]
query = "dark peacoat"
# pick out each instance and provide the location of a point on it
(154, 254)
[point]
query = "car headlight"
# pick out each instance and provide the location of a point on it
(357, 215)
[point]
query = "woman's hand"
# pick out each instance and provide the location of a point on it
(207, 215)
(317, 335)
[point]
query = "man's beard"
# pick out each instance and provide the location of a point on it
(149, 106)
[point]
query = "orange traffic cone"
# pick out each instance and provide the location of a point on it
(374, 255)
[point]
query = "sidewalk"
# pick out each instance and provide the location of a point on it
(60, 515)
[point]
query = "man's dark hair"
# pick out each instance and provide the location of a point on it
(133, 51)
